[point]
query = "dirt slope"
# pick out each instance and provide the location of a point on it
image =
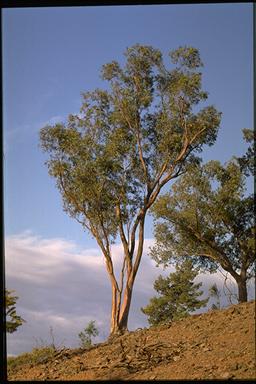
(215, 345)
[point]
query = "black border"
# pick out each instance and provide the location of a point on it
(80, 3)
(77, 3)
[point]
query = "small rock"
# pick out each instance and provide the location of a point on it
(235, 367)
(153, 377)
(226, 375)
(176, 358)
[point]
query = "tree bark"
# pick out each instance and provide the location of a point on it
(114, 324)
(120, 311)
(242, 290)
(121, 306)
(123, 320)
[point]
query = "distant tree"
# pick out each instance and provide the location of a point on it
(215, 293)
(87, 334)
(112, 160)
(178, 295)
(209, 217)
(13, 321)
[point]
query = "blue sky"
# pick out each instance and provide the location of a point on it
(51, 55)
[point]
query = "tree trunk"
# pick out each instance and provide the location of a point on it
(114, 325)
(119, 316)
(121, 306)
(241, 283)
(123, 319)
(242, 290)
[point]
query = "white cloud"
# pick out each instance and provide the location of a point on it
(63, 286)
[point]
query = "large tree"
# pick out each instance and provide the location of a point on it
(209, 216)
(178, 295)
(112, 159)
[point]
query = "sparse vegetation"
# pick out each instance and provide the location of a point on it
(214, 345)
(86, 335)
(41, 353)
(36, 356)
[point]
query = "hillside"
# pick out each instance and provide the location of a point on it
(215, 345)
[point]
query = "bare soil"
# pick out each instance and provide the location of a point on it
(219, 344)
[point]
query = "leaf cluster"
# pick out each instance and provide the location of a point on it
(207, 217)
(86, 335)
(125, 139)
(13, 321)
(178, 295)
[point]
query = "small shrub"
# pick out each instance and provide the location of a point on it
(87, 334)
(35, 357)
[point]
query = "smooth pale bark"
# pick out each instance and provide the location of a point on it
(123, 321)
(120, 308)
(121, 305)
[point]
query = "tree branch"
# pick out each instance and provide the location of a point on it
(140, 247)
(134, 228)
(123, 237)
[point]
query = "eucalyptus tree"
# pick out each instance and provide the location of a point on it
(112, 159)
(208, 216)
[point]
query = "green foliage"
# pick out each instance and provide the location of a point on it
(208, 217)
(35, 357)
(96, 158)
(215, 293)
(111, 160)
(247, 162)
(13, 321)
(178, 295)
(40, 354)
(87, 334)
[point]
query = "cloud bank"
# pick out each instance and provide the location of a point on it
(62, 286)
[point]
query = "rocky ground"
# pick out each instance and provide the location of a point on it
(219, 344)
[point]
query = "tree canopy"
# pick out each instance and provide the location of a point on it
(178, 295)
(207, 216)
(112, 159)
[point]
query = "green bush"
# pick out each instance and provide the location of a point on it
(35, 357)
(86, 335)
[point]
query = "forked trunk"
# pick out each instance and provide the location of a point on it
(120, 311)
(121, 305)
(241, 283)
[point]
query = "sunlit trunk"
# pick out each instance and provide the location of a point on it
(114, 323)
(123, 319)
(121, 304)
(120, 310)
